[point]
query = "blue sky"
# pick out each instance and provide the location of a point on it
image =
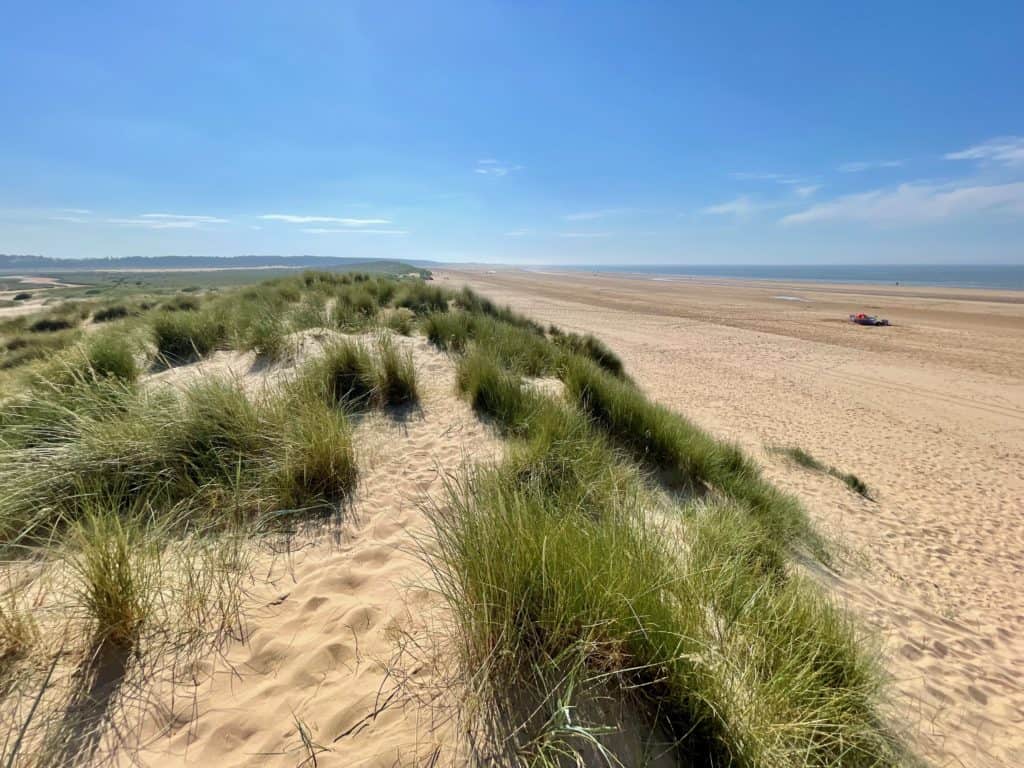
(520, 132)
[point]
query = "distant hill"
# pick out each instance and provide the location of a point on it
(26, 263)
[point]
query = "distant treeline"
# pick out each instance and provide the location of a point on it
(28, 263)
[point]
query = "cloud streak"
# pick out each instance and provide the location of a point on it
(292, 218)
(336, 231)
(778, 178)
(584, 235)
(915, 203)
(180, 217)
(492, 167)
(1005, 150)
(860, 166)
(591, 215)
(167, 221)
(740, 206)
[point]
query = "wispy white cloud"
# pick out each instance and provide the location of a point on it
(1005, 150)
(363, 231)
(916, 202)
(584, 234)
(778, 178)
(517, 233)
(859, 166)
(292, 218)
(75, 211)
(591, 215)
(71, 219)
(180, 217)
(167, 221)
(807, 191)
(491, 167)
(153, 224)
(741, 206)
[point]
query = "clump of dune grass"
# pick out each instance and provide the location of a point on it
(185, 336)
(854, 483)
(110, 355)
(399, 320)
(355, 308)
(19, 633)
(517, 348)
(691, 457)
(220, 432)
(804, 459)
(591, 347)
(421, 298)
(310, 313)
(565, 589)
(21, 349)
(316, 466)
(355, 376)
(396, 374)
(345, 374)
(118, 571)
(450, 331)
(267, 336)
(228, 459)
(106, 314)
(51, 324)
(497, 393)
(474, 303)
(181, 303)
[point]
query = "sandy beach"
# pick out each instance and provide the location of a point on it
(929, 412)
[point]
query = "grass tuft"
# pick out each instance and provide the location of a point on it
(184, 336)
(19, 634)
(267, 336)
(111, 356)
(107, 314)
(691, 457)
(317, 465)
(118, 570)
(344, 375)
(591, 347)
(397, 374)
(806, 460)
(51, 324)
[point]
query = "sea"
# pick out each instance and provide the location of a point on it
(1009, 277)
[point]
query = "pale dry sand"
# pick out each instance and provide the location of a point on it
(929, 412)
(342, 637)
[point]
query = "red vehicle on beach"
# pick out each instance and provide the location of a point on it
(861, 319)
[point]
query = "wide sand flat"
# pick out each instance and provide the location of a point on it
(929, 412)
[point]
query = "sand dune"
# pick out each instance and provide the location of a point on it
(326, 632)
(930, 413)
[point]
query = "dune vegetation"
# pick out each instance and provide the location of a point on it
(616, 559)
(804, 459)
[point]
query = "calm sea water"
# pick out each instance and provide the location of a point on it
(1007, 277)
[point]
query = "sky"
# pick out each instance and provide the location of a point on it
(516, 132)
